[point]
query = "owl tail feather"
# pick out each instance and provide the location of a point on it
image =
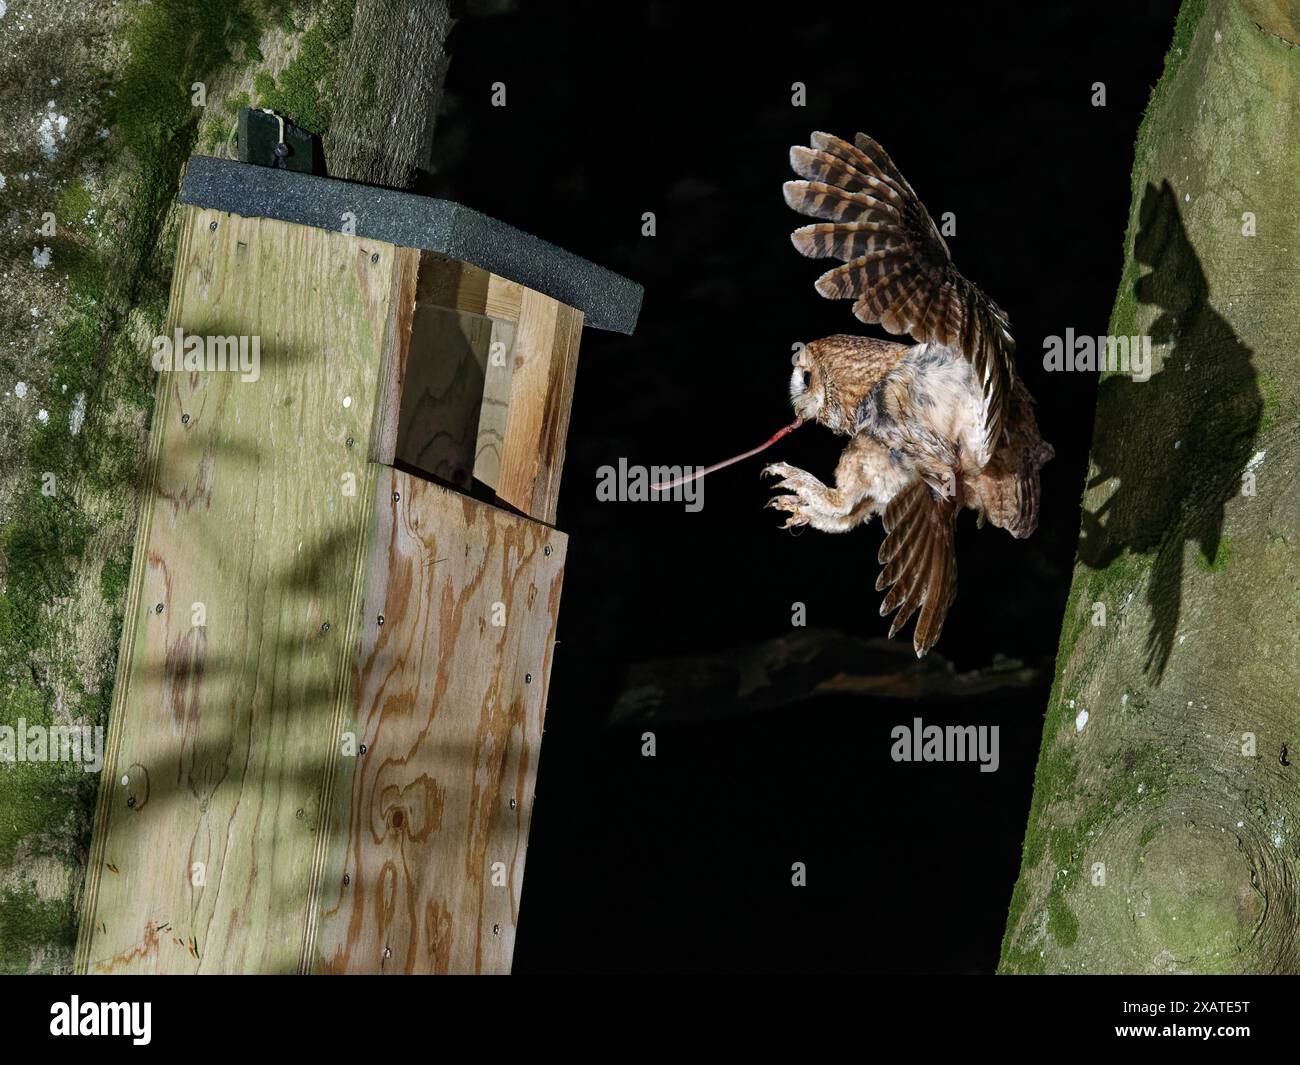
(920, 563)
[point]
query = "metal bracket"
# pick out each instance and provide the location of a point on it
(267, 139)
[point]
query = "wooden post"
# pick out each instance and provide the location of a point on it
(333, 677)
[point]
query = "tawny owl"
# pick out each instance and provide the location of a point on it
(934, 426)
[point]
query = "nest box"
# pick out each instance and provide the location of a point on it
(345, 589)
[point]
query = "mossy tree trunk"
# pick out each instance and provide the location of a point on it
(367, 74)
(1164, 834)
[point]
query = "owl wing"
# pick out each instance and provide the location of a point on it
(897, 268)
(920, 562)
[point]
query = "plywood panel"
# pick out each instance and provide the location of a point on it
(392, 377)
(223, 728)
(545, 363)
(450, 692)
(496, 403)
(455, 395)
(442, 393)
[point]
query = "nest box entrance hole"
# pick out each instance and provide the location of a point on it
(487, 385)
(456, 391)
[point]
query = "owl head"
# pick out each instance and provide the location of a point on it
(816, 384)
(832, 377)
(807, 388)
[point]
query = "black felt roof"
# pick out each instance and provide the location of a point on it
(607, 300)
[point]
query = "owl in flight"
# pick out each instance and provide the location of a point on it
(933, 426)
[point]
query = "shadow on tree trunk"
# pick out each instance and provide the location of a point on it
(1178, 442)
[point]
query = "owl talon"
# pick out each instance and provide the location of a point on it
(800, 482)
(794, 505)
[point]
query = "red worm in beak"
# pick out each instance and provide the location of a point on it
(665, 485)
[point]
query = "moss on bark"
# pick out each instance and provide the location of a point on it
(1163, 833)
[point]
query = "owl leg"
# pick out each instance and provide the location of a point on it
(812, 503)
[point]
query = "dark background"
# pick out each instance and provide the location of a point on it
(682, 862)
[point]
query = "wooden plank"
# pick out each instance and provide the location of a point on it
(453, 395)
(96, 862)
(392, 376)
(222, 739)
(459, 286)
(442, 393)
(541, 391)
(496, 403)
(449, 706)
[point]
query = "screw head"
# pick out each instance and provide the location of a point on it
(362, 748)
(347, 879)
(528, 678)
(547, 550)
(496, 929)
(325, 627)
(130, 801)
(514, 803)
(212, 226)
(185, 419)
(397, 497)
(300, 815)
(380, 619)
(375, 258)
(158, 609)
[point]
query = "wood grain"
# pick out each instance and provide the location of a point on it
(449, 706)
(541, 393)
(459, 286)
(238, 828)
(221, 737)
(524, 420)
(455, 395)
(392, 375)
(496, 403)
(442, 394)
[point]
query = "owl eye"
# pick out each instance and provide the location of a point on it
(807, 378)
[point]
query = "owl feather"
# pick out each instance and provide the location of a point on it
(897, 267)
(919, 563)
(934, 427)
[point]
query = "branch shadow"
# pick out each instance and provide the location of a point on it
(1177, 444)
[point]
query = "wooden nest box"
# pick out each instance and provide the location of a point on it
(345, 589)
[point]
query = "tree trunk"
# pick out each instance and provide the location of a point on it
(1164, 833)
(389, 79)
(64, 558)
